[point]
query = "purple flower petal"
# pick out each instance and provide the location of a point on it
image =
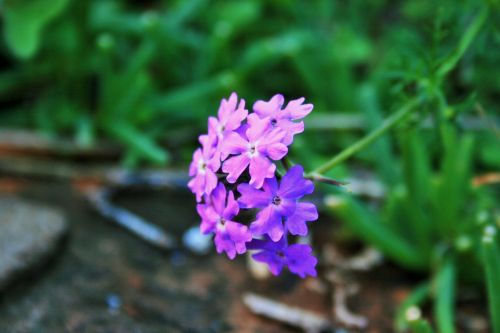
(297, 257)
(216, 217)
(234, 167)
(197, 186)
(276, 150)
(252, 197)
(304, 212)
(285, 207)
(206, 161)
(231, 238)
(208, 218)
(268, 222)
(296, 110)
(234, 144)
(257, 128)
(232, 208)
(240, 235)
(294, 185)
(193, 167)
(272, 113)
(271, 186)
(260, 169)
(218, 199)
(265, 109)
(274, 262)
(290, 128)
(300, 260)
(229, 117)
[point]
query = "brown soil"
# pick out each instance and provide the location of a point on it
(106, 280)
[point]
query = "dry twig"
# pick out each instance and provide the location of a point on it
(343, 287)
(149, 232)
(308, 321)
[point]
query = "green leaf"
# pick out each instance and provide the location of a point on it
(381, 150)
(420, 326)
(454, 182)
(444, 303)
(491, 260)
(138, 141)
(467, 38)
(366, 225)
(417, 177)
(24, 21)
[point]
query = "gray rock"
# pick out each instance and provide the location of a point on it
(29, 233)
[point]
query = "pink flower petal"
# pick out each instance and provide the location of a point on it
(260, 169)
(234, 167)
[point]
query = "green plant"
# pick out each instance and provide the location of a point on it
(433, 218)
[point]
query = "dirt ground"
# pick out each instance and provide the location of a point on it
(104, 279)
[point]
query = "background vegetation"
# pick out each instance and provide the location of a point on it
(146, 74)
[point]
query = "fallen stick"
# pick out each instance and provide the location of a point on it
(99, 199)
(53, 169)
(342, 312)
(31, 142)
(310, 322)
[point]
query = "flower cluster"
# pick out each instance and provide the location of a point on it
(235, 170)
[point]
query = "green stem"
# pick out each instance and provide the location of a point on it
(327, 180)
(389, 123)
(445, 296)
(464, 43)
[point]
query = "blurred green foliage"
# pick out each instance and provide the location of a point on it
(146, 74)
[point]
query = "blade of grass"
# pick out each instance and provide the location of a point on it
(420, 326)
(138, 141)
(444, 301)
(454, 182)
(417, 177)
(179, 99)
(464, 43)
(367, 226)
(491, 261)
(382, 153)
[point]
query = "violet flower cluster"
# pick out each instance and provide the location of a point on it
(235, 170)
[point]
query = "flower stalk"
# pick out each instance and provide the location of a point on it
(353, 149)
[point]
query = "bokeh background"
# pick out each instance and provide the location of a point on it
(146, 74)
(133, 82)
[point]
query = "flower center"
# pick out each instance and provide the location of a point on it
(252, 149)
(274, 122)
(221, 128)
(221, 224)
(202, 165)
(276, 200)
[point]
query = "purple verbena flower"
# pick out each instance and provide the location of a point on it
(236, 142)
(217, 217)
(280, 202)
(255, 149)
(203, 168)
(230, 116)
(298, 257)
(277, 117)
